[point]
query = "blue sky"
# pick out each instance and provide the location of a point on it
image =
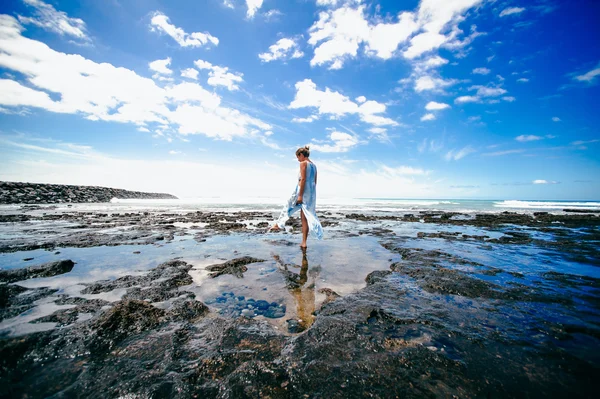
(409, 99)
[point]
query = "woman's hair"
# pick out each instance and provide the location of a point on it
(304, 151)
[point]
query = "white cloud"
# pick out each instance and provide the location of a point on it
(272, 14)
(340, 32)
(228, 4)
(14, 94)
(435, 17)
(461, 46)
(112, 93)
(511, 10)
(589, 77)
(384, 38)
(541, 181)
(337, 35)
(402, 171)
(283, 49)
(21, 112)
(481, 71)
(482, 93)
(434, 106)
(509, 99)
(523, 80)
(430, 145)
(161, 66)
(336, 104)
(528, 137)
(327, 2)
(143, 129)
(160, 23)
(458, 154)
(360, 99)
(327, 102)
(379, 134)
(428, 117)
(190, 73)
(486, 91)
(220, 76)
(173, 152)
(500, 153)
(425, 83)
(582, 142)
(253, 6)
(466, 99)
(308, 119)
(434, 61)
(340, 142)
(47, 17)
(556, 119)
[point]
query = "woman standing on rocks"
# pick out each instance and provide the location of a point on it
(303, 199)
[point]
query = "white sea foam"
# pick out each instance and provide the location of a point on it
(548, 205)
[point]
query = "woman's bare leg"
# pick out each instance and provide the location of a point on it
(304, 229)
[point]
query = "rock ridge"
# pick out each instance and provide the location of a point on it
(40, 193)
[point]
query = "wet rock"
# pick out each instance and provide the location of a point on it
(160, 284)
(44, 270)
(294, 326)
(187, 309)
(441, 280)
(18, 300)
(571, 280)
(126, 318)
(285, 243)
(8, 291)
(294, 222)
(14, 218)
(236, 267)
(83, 308)
(581, 210)
(376, 276)
(226, 227)
(330, 295)
(512, 237)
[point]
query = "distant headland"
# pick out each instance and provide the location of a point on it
(37, 193)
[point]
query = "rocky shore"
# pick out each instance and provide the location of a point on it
(33, 193)
(442, 319)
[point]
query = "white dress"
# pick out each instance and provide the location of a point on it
(309, 201)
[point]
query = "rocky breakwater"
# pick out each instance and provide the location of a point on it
(33, 193)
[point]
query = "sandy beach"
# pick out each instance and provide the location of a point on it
(183, 303)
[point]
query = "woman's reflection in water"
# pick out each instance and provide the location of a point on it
(302, 288)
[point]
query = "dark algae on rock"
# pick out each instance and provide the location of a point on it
(45, 270)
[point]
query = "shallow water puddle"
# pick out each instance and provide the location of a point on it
(293, 283)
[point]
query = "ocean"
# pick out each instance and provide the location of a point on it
(356, 205)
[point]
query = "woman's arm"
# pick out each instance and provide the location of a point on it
(302, 181)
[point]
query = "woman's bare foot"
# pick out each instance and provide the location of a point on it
(303, 245)
(275, 228)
